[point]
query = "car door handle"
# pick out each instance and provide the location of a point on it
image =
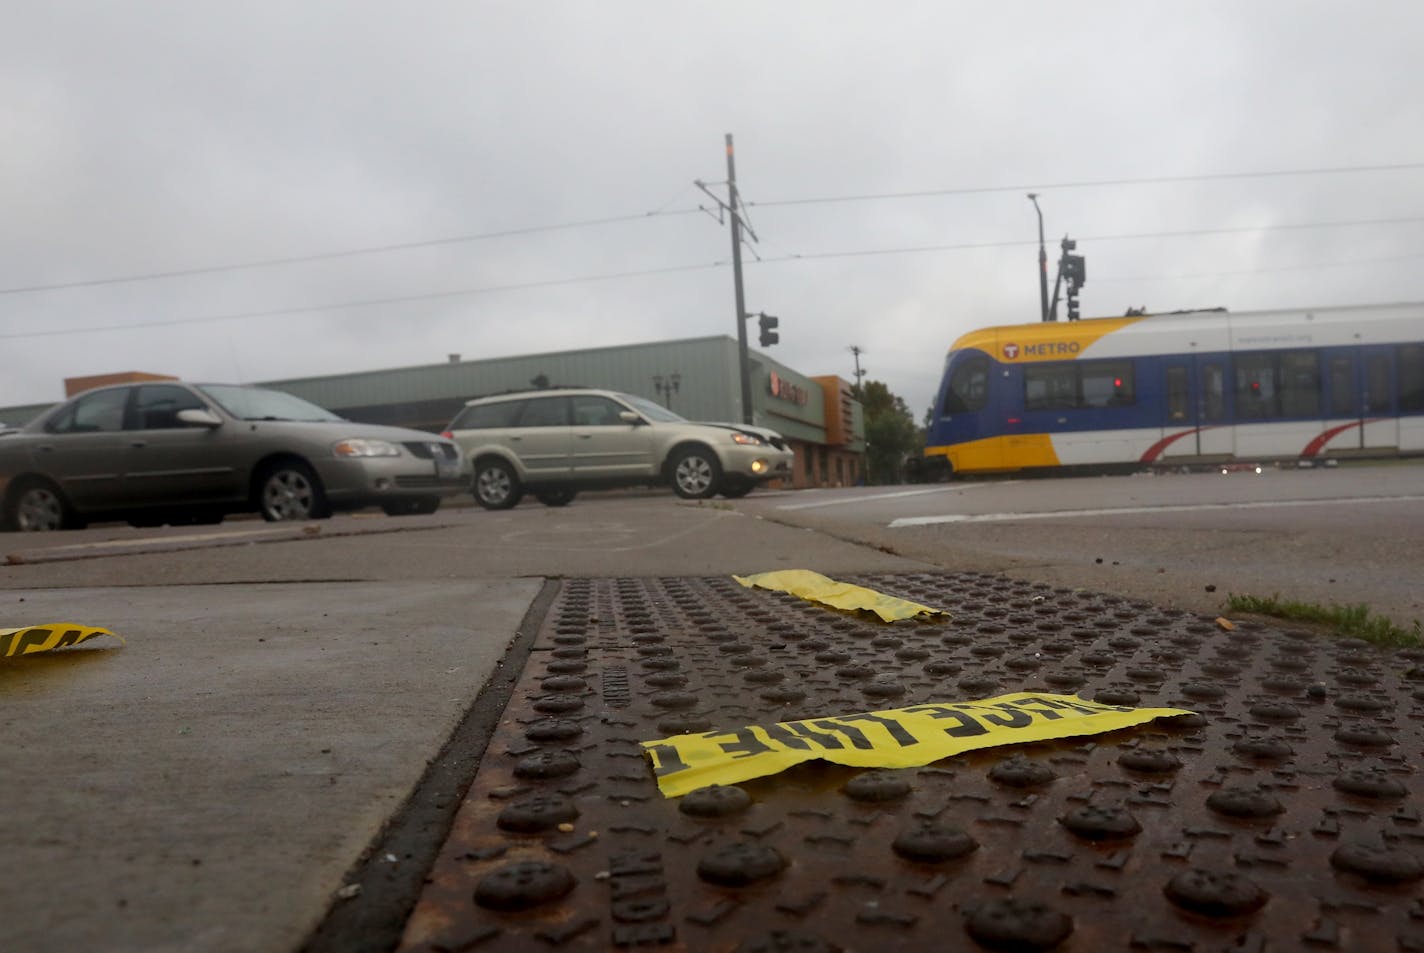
(139, 444)
(585, 436)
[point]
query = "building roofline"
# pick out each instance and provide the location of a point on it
(540, 355)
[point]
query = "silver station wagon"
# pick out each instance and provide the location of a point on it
(559, 441)
(172, 452)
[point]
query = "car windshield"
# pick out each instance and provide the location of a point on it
(652, 411)
(254, 403)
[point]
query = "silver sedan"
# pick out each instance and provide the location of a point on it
(171, 452)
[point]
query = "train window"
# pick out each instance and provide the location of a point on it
(1178, 394)
(1050, 386)
(968, 386)
(1377, 395)
(1256, 397)
(1107, 384)
(1342, 387)
(1300, 383)
(1214, 392)
(1410, 367)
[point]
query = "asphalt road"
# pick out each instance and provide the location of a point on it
(1350, 535)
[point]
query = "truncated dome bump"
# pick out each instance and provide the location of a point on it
(1017, 926)
(1215, 893)
(876, 786)
(715, 800)
(739, 864)
(523, 885)
(1377, 864)
(931, 843)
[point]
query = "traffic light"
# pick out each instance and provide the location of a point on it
(768, 329)
(1072, 304)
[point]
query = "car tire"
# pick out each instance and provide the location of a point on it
(290, 491)
(559, 497)
(417, 507)
(736, 489)
(695, 473)
(496, 486)
(38, 506)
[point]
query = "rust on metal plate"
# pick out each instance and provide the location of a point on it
(1285, 816)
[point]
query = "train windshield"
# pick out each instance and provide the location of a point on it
(968, 388)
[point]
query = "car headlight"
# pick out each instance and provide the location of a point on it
(746, 439)
(365, 448)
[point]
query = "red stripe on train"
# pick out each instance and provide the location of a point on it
(1155, 451)
(1316, 445)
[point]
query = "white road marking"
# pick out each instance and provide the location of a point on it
(154, 540)
(846, 501)
(1130, 510)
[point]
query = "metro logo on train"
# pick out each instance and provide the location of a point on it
(1044, 349)
(1188, 388)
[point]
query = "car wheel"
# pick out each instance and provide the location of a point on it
(736, 489)
(416, 507)
(695, 473)
(496, 486)
(560, 497)
(290, 491)
(39, 506)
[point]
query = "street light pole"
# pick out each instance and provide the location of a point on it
(1042, 261)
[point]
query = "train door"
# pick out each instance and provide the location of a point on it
(1194, 408)
(1379, 420)
(1217, 437)
(1181, 408)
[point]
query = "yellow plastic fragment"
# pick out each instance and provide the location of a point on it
(1225, 623)
(43, 638)
(897, 738)
(838, 595)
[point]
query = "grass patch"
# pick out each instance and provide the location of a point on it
(1352, 621)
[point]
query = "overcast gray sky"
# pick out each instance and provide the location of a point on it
(149, 137)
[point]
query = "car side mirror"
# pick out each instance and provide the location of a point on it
(630, 417)
(199, 418)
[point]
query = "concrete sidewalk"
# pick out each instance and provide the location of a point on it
(208, 785)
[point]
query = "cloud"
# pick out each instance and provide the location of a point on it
(157, 137)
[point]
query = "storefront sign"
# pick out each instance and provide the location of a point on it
(781, 387)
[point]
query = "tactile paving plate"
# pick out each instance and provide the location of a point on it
(1286, 817)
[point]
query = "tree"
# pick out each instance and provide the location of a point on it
(890, 433)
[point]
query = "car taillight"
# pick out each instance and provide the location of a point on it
(447, 435)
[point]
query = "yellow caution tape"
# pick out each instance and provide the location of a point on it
(839, 595)
(43, 638)
(899, 738)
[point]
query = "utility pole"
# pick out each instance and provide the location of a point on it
(732, 203)
(857, 350)
(1042, 265)
(733, 208)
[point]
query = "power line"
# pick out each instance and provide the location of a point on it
(1092, 184)
(664, 211)
(364, 303)
(1261, 271)
(614, 276)
(1018, 243)
(345, 253)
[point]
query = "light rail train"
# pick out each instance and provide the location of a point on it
(1185, 389)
